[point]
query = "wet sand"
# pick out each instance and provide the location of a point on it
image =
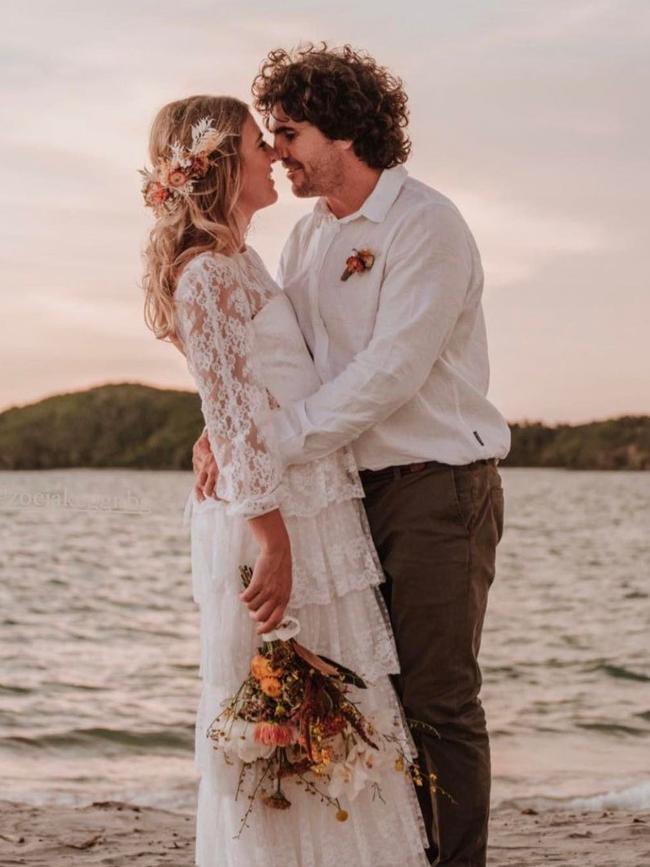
(115, 834)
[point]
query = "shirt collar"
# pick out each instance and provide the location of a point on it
(378, 203)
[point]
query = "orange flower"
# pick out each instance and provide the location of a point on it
(358, 262)
(271, 686)
(275, 734)
(261, 667)
(177, 178)
(354, 263)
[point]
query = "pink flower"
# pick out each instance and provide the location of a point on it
(275, 734)
(200, 166)
(155, 194)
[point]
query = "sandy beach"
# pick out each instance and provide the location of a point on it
(116, 834)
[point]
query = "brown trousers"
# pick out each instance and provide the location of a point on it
(436, 531)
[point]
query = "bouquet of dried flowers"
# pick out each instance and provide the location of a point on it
(294, 717)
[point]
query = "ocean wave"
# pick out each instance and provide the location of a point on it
(11, 689)
(620, 672)
(168, 738)
(178, 796)
(635, 797)
(613, 729)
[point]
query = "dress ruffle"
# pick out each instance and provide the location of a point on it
(377, 833)
(384, 831)
(342, 614)
(306, 489)
(351, 629)
(331, 548)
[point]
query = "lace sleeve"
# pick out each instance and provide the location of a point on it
(213, 316)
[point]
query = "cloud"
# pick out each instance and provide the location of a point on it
(528, 115)
(519, 242)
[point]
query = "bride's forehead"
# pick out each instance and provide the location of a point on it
(251, 130)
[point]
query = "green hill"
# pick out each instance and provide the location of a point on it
(130, 425)
(616, 444)
(111, 426)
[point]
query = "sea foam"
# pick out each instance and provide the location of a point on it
(633, 798)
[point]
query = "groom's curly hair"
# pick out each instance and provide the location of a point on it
(344, 92)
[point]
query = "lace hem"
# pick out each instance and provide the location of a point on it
(306, 489)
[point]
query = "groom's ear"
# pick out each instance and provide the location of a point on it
(343, 144)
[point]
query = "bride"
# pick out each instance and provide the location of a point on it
(303, 529)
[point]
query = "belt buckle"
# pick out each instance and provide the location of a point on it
(415, 468)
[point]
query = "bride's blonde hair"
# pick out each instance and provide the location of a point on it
(204, 220)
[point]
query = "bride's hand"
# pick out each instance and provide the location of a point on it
(205, 468)
(267, 595)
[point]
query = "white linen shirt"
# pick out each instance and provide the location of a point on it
(401, 348)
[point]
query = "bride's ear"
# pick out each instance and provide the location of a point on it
(343, 144)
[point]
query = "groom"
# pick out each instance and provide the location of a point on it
(386, 281)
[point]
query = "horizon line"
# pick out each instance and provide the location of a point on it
(522, 421)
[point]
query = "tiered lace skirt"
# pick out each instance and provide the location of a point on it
(336, 599)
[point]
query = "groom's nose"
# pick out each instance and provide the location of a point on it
(279, 148)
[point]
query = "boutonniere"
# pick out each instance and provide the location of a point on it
(358, 262)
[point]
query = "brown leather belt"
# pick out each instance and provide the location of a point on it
(405, 469)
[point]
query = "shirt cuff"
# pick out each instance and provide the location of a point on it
(284, 430)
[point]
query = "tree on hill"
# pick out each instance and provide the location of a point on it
(616, 444)
(130, 425)
(125, 425)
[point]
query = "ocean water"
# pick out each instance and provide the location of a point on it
(99, 640)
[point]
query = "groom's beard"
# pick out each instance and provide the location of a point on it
(316, 180)
(303, 183)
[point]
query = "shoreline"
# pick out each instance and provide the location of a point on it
(117, 833)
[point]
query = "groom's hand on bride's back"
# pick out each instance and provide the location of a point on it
(205, 468)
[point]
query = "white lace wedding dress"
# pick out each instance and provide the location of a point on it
(247, 355)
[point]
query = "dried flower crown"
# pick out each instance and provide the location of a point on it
(172, 179)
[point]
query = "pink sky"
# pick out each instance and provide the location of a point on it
(529, 116)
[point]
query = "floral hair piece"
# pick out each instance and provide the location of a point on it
(172, 179)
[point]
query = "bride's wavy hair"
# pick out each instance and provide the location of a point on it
(204, 220)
